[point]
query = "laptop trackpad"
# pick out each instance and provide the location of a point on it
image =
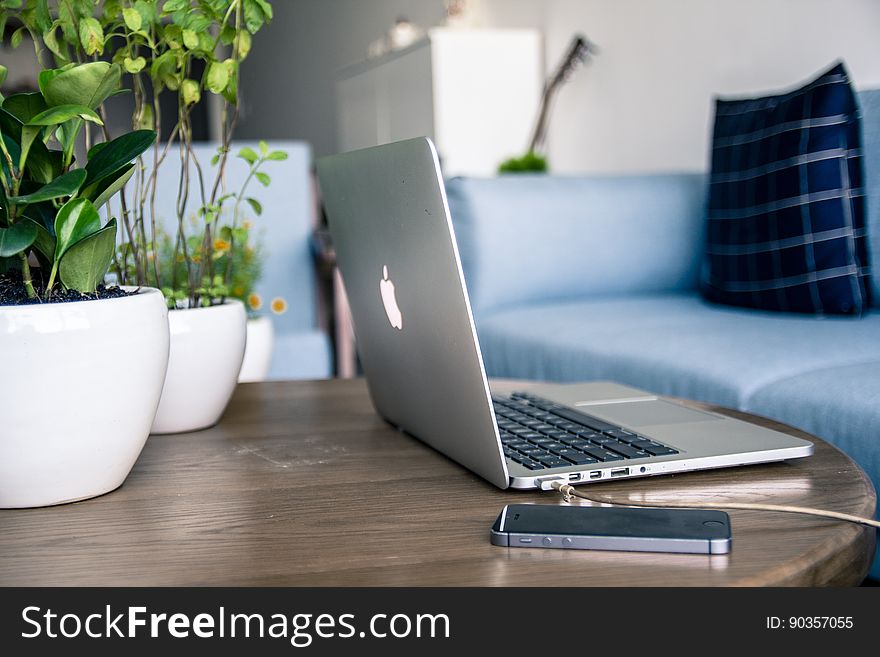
(647, 413)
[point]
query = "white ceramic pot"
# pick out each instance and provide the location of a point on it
(258, 351)
(80, 386)
(207, 346)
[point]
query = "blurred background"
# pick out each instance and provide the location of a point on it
(644, 103)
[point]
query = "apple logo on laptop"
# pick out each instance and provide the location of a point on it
(386, 289)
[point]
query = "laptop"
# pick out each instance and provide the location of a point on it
(396, 250)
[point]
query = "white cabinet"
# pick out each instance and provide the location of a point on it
(474, 92)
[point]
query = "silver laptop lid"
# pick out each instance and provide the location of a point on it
(395, 247)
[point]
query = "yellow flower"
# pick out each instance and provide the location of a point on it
(237, 291)
(254, 301)
(279, 306)
(246, 224)
(221, 245)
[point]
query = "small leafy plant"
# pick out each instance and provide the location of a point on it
(190, 49)
(49, 205)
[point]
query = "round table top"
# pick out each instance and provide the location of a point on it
(301, 483)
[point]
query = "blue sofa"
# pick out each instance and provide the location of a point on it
(579, 278)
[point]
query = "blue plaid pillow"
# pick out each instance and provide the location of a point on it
(786, 227)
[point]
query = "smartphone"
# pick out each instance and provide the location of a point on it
(694, 531)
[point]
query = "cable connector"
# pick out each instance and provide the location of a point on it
(546, 483)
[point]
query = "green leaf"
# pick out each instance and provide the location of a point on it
(264, 178)
(103, 190)
(84, 265)
(173, 36)
(163, 70)
(135, 65)
(76, 219)
(25, 106)
(147, 10)
(227, 35)
(190, 39)
(174, 5)
(277, 156)
(256, 205)
(28, 135)
(248, 155)
(85, 84)
(264, 147)
(117, 153)
(52, 44)
(9, 125)
(65, 185)
(253, 16)
(146, 121)
(44, 165)
(189, 92)
(132, 18)
(16, 239)
(15, 39)
(206, 42)
(91, 35)
(97, 148)
(44, 243)
(231, 91)
(244, 44)
(3, 73)
(267, 9)
(62, 113)
(217, 77)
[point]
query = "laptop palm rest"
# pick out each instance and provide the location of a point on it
(650, 412)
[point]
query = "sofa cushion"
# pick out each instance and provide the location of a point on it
(786, 226)
(525, 238)
(869, 102)
(840, 404)
(676, 344)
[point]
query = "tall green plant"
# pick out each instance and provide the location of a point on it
(48, 206)
(160, 44)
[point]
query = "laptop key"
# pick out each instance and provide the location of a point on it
(553, 462)
(544, 428)
(582, 419)
(579, 459)
(575, 442)
(660, 450)
(532, 465)
(625, 450)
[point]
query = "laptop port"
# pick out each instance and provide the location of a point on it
(620, 472)
(575, 476)
(596, 475)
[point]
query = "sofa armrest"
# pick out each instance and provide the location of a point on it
(529, 238)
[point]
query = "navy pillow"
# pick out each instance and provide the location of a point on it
(786, 226)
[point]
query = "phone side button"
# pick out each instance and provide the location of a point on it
(525, 540)
(547, 541)
(566, 542)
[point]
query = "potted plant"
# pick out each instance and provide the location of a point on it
(246, 267)
(208, 322)
(189, 50)
(64, 333)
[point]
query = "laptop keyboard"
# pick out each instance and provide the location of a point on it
(540, 434)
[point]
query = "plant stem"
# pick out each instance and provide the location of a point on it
(26, 276)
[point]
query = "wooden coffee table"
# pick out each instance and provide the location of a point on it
(302, 484)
